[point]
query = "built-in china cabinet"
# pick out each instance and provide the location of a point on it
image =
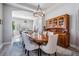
(59, 25)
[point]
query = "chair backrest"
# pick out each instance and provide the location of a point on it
(25, 39)
(29, 45)
(52, 42)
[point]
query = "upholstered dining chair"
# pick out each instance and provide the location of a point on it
(29, 45)
(51, 46)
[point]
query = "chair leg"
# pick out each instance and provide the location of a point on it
(28, 53)
(24, 46)
(55, 54)
(49, 54)
(25, 51)
(39, 52)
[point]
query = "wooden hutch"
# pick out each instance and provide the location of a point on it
(60, 25)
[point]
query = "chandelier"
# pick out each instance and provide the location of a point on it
(38, 12)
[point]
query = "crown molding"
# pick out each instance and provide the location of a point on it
(20, 7)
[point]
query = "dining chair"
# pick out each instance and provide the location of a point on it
(51, 46)
(29, 45)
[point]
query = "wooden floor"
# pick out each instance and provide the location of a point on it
(16, 49)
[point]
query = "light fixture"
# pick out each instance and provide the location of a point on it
(38, 12)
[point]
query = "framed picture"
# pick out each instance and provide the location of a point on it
(0, 21)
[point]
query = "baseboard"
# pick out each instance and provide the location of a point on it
(5, 43)
(74, 46)
(1, 46)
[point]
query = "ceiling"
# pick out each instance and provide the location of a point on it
(33, 6)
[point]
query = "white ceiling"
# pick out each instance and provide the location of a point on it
(33, 6)
(44, 6)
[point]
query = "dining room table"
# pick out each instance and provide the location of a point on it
(39, 39)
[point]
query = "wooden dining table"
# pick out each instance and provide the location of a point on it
(41, 39)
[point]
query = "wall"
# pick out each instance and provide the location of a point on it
(72, 10)
(77, 26)
(0, 24)
(7, 27)
(1, 10)
(7, 22)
